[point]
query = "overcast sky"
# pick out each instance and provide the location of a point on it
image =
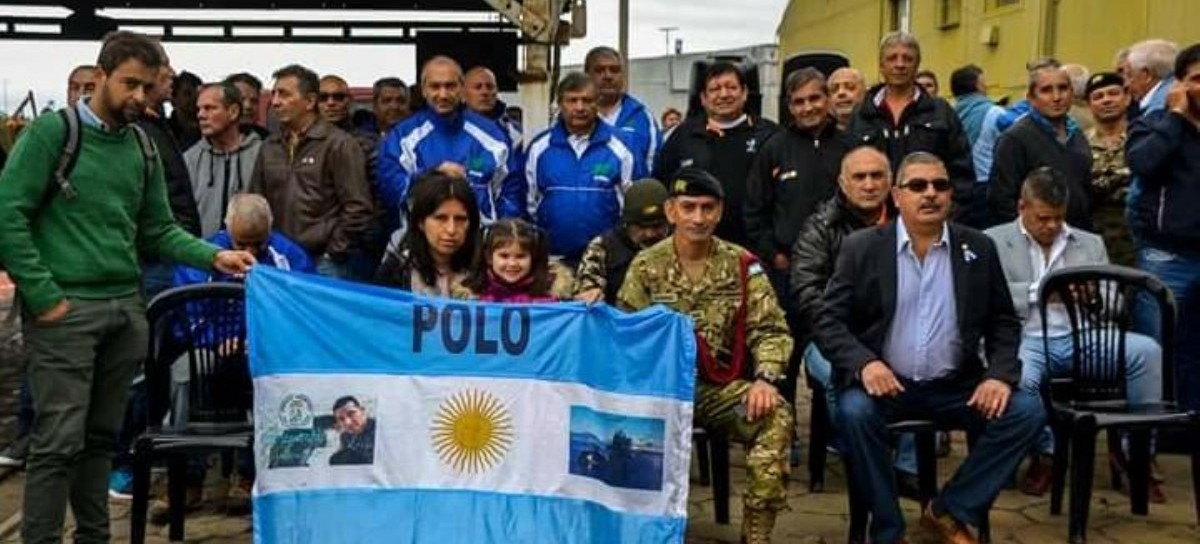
(703, 25)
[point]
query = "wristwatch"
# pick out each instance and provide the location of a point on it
(769, 376)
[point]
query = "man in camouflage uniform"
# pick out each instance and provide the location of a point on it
(1108, 100)
(606, 259)
(737, 317)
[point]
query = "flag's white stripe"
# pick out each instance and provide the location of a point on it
(405, 408)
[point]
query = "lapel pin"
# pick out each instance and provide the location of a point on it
(968, 255)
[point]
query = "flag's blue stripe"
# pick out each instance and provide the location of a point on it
(352, 516)
(306, 324)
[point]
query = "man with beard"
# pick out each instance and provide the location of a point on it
(606, 260)
(70, 247)
(722, 142)
(847, 88)
(1046, 136)
(251, 90)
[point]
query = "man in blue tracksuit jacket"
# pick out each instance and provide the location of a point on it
(620, 110)
(449, 137)
(577, 172)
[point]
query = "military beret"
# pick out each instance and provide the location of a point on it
(692, 181)
(1101, 80)
(644, 203)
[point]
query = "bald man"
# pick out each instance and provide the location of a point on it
(480, 94)
(447, 136)
(846, 90)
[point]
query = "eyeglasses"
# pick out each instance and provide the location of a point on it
(339, 97)
(919, 185)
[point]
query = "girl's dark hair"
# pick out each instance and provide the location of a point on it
(429, 191)
(529, 238)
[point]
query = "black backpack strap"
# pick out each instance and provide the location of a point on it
(149, 152)
(66, 158)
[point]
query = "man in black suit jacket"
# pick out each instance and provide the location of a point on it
(903, 318)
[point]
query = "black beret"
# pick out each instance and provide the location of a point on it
(692, 181)
(1101, 80)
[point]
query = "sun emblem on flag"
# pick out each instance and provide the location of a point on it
(472, 431)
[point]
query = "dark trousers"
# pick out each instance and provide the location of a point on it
(1002, 443)
(79, 371)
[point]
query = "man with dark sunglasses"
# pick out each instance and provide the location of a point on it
(905, 344)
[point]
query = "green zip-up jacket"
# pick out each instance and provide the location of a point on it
(85, 247)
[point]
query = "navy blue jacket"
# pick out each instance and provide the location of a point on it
(1163, 152)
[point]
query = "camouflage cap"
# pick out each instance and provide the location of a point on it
(692, 181)
(644, 203)
(1102, 80)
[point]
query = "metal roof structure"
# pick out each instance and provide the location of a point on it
(88, 21)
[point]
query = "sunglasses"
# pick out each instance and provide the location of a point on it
(339, 97)
(919, 185)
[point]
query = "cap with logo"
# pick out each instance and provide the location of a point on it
(692, 181)
(644, 203)
(1102, 80)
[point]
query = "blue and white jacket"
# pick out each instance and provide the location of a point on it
(426, 140)
(640, 128)
(281, 252)
(576, 194)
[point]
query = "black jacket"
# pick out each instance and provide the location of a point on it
(794, 173)
(727, 156)
(860, 302)
(1026, 146)
(928, 124)
(1163, 151)
(816, 250)
(179, 183)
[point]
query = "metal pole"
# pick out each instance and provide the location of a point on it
(623, 24)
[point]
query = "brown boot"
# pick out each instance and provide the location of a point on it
(950, 530)
(757, 525)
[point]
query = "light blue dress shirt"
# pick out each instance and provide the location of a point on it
(923, 343)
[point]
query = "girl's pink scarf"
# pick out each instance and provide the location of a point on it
(499, 290)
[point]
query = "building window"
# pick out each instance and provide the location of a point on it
(901, 15)
(1001, 4)
(949, 14)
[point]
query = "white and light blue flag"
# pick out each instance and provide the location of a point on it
(383, 416)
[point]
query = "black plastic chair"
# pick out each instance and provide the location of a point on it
(204, 325)
(712, 454)
(1097, 300)
(925, 433)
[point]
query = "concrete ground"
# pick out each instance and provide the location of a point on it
(814, 518)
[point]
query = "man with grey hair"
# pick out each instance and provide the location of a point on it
(249, 227)
(847, 88)
(221, 164)
(1046, 136)
(1079, 75)
(447, 136)
(913, 309)
(620, 109)
(1148, 70)
(899, 118)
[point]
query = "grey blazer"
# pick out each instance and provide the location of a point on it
(1083, 248)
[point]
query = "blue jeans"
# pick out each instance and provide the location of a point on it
(821, 370)
(1181, 274)
(1143, 370)
(329, 268)
(969, 494)
(24, 409)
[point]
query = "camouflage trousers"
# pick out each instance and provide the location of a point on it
(768, 439)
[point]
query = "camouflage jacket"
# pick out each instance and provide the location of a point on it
(655, 276)
(1110, 174)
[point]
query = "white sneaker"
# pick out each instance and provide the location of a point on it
(14, 455)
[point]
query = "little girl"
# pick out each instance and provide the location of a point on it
(515, 267)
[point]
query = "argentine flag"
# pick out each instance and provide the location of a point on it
(381, 417)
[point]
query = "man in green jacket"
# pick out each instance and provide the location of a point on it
(72, 247)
